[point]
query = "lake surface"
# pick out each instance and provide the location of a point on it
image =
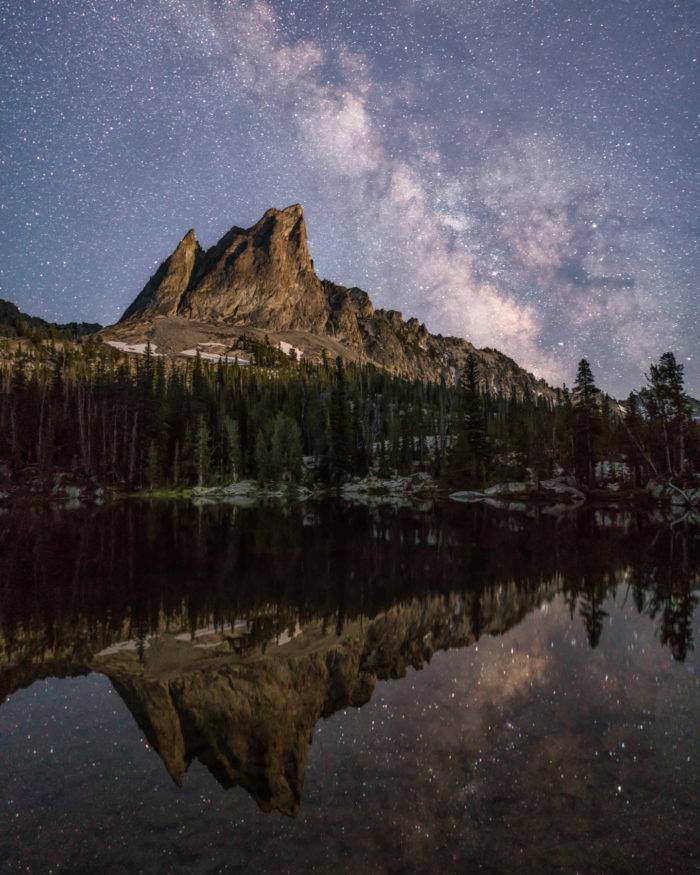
(345, 689)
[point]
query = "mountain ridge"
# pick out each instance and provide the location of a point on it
(15, 323)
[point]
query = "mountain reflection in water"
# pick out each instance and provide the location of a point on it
(230, 633)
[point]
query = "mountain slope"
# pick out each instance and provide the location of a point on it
(15, 323)
(263, 277)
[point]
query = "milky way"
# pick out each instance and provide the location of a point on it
(520, 173)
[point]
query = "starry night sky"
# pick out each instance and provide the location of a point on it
(520, 173)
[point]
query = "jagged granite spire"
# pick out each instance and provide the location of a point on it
(260, 275)
(263, 275)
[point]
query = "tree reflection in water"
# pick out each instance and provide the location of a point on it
(74, 582)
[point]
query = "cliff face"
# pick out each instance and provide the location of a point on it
(405, 346)
(264, 277)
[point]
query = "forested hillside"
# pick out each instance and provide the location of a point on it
(151, 422)
(15, 323)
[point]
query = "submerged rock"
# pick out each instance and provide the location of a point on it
(394, 490)
(246, 493)
(513, 488)
(467, 497)
(560, 486)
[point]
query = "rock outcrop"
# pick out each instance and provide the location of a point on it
(264, 277)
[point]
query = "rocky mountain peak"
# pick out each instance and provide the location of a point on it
(263, 277)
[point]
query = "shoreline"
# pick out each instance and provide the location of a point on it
(395, 492)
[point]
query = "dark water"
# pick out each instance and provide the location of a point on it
(347, 690)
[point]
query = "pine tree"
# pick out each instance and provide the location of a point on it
(394, 454)
(592, 614)
(234, 455)
(202, 451)
(668, 409)
(383, 467)
(360, 453)
(153, 466)
(176, 464)
(262, 457)
(586, 421)
(339, 425)
(470, 456)
(187, 458)
(285, 449)
(633, 438)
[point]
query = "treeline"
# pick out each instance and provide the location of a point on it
(145, 421)
(653, 432)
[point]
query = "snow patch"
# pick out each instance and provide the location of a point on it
(290, 350)
(138, 348)
(215, 357)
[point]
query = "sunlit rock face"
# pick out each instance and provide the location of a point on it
(264, 277)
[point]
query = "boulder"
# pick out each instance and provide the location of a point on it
(562, 486)
(242, 487)
(675, 496)
(422, 480)
(513, 488)
(553, 482)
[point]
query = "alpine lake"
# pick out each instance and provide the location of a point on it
(338, 688)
